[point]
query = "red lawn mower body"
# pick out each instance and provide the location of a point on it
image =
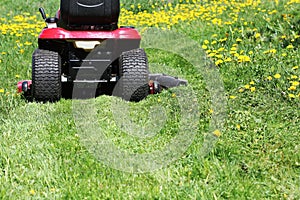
(83, 45)
(60, 33)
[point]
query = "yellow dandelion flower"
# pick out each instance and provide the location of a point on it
(206, 42)
(1, 90)
(222, 40)
(214, 42)
(275, 11)
(269, 78)
(241, 90)
(211, 54)
(221, 49)
(219, 56)
(238, 127)
(3, 53)
(32, 192)
(272, 51)
(295, 67)
(28, 43)
(294, 77)
(22, 51)
(295, 83)
(251, 83)
(250, 52)
(292, 88)
(217, 133)
(232, 97)
(247, 86)
(17, 76)
(252, 89)
(284, 54)
(244, 58)
(236, 55)
(210, 111)
(204, 46)
(277, 76)
(292, 96)
(228, 60)
(238, 40)
(218, 62)
(257, 35)
(265, 52)
(173, 95)
(290, 46)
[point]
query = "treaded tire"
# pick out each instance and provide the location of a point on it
(46, 76)
(134, 72)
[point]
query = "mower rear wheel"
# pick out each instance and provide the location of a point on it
(134, 73)
(46, 76)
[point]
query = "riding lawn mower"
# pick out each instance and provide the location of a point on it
(83, 45)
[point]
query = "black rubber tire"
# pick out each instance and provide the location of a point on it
(46, 76)
(134, 73)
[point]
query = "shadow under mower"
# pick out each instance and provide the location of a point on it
(83, 48)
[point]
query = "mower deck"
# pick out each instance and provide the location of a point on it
(156, 84)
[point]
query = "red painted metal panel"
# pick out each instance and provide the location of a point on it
(60, 33)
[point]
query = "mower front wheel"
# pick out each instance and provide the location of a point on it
(46, 76)
(134, 75)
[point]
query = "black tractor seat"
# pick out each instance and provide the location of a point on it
(89, 14)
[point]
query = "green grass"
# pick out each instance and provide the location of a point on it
(42, 155)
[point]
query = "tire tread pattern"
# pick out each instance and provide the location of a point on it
(46, 76)
(135, 75)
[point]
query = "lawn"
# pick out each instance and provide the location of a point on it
(233, 133)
